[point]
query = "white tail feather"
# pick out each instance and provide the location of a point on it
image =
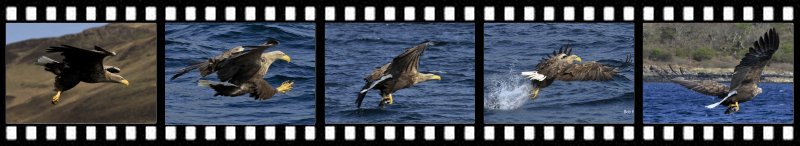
(723, 99)
(44, 61)
(534, 75)
(376, 82)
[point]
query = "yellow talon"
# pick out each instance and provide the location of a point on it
(390, 99)
(734, 107)
(56, 97)
(286, 87)
(386, 100)
(535, 94)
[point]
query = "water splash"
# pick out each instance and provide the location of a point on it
(507, 91)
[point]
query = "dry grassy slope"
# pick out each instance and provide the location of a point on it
(29, 87)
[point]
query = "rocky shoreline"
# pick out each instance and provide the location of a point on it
(654, 73)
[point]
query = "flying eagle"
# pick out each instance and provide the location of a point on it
(242, 71)
(208, 67)
(79, 65)
(561, 66)
(400, 73)
(746, 75)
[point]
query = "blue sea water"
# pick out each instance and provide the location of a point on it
(672, 103)
(511, 48)
(188, 104)
(353, 50)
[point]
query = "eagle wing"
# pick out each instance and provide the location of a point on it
(88, 60)
(551, 65)
(707, 87)
(587, 71)
(749, 69)
(408, 61)
(242, 66)
(206, 67)
(377, 73)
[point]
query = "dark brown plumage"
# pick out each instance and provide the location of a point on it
(561, 66)
(208, 67)
(79, 65)
(744, 83)
(401, 73)
(243, 72)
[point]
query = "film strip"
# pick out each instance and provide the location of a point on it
(480, 14)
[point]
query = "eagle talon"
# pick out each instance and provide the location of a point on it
(387, 100)
(732, 108)
(390, 100)
(384, 102)
(286, 87)
(56, 97)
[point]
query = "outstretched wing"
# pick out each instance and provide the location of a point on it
(377, 73)
(591, 71)
(207, 67)
(408, 61)
(188, 68)
(241, 66)
(90, 60)
(749, 69)
(707, 87)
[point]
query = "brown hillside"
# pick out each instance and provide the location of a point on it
(29, 87)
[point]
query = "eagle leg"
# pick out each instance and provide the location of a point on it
(56, 97)
(286, 86)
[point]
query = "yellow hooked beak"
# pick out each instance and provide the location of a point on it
(124, 82)
(286, 58)
(578, 59)
(436, 77)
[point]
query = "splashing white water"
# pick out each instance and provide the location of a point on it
(507, 91)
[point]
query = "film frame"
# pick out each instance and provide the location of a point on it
(479, 13)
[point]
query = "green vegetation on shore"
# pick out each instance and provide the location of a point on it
(713, 45)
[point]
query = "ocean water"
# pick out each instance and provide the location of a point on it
(189, 104)
(511, 48)
(353, 50)
(666, 102)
